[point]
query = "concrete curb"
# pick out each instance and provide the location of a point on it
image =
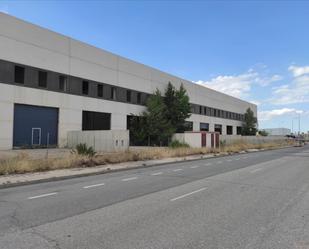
(143, 165)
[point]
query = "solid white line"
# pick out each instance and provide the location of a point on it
(256, 170)
(156, 174)
(40, 196)
(175, 170)
(95, 185)
(194, 167)
(185, 195)
(129, 179)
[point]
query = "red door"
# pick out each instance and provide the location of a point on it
(203, 139)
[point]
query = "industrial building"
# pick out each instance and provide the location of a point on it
(51, 84)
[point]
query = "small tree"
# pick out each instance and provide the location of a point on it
(249, 124)
(177, 106)
(263, 133)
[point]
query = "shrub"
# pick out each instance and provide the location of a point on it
(83, 149)
(178, 144)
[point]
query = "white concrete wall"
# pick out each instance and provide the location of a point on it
(106, 141)
(251, 139)
(192, 139)
(28, 44)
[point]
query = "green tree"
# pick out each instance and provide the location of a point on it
(159, 128)
(177, 106)
(263, 133)
(249, 124)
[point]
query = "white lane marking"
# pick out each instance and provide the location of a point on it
(185, 195)
(129, 179)
(156, 174)
(256, 170)
(40, 196)
(219, 162)
(245, 157)
(207, 164)
(175, 170)
(229, 160)
(194, 167)
(93, 186)
(237, 159)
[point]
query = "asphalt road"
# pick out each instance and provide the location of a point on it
(255, 200)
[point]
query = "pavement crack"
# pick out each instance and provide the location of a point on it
(46, 238)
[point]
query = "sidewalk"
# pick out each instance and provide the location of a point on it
(29, 178)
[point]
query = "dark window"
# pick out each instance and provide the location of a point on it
(19, 75)
(113, 93)
(205, 110)
(85, 87)
(215, 112)
(229, 130)
(188, 126)
(238, 130)
(218, 128)
(128, 96)
(204, 127)
(139, 98)
(96, 121)
(200, 109)
(63, 83)
(42, 79)
(100, 90)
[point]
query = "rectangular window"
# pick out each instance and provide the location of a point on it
(229, 130)
(113, 93)
(63, 83)
(96, 121)
(200, 109)
(129, 96)
(218, 128)
(205, 110)
(85, 87)
(238, 130)
(204, 127)
(42, 79)
(139, 98)
(100, 90)
(19, 75)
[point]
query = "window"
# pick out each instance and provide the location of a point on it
(204, 127)
(85, 87)
(139, 98)
(188, 126)
(96, 121)
(238, 130)
(128, 96)
(218, 128)
(200, 109)
(113, 93)
(19, 75)
(205, 110)
(215, 112)
(63, 83)
(42, 79)
(100, 90)
(229, 130)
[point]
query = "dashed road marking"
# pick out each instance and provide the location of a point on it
(194, 167)
(41, 196)
(157, 173)
(175, 170)
(256, 170)
(188, 194)
(129, 179)
(93, 186)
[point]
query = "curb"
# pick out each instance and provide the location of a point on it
(144, 165)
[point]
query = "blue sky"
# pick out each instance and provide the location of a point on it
(255, 50)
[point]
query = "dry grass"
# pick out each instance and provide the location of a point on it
(24, 164)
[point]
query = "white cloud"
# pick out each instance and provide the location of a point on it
(4, 9)
(268, 115)
(239, 85)
(296, 92)
(298, 71)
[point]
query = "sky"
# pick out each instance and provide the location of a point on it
(254, 50)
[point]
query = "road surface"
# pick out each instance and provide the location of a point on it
(255, 200)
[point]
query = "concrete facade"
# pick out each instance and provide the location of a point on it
(27, 44)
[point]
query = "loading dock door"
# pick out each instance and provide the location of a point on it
(35, 126)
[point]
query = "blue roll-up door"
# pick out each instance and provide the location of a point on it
(35, 126)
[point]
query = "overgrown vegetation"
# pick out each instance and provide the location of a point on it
(249, 124)
(164, 115)
(263, 133)
(178, 144)
(84, 150)
(24, 164)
